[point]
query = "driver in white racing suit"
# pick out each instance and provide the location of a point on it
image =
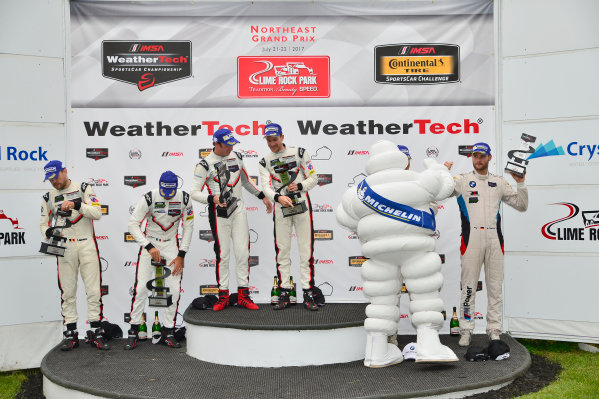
(233, 227)
(479, 195)
(292, 164)
(164, 209)
(81, 253)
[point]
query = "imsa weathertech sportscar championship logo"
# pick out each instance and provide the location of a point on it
(146, 63)
(282, 76)
(96, 153)
(206, 235)
(135, 181)
(324, 179)
(417, 63)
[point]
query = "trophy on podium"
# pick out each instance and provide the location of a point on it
(160, 294)
(225, 191)
(517, 162)
(55, 244)
(287, 177)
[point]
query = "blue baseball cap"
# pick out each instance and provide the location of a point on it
(224, 136)
(405, 150)
(483, 148)
(272, 129)
(168, 184)
(52, 169)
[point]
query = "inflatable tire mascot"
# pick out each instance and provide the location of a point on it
(390, 210)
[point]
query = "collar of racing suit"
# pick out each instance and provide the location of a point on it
(282, 151)
(481, 177)
(68, 189)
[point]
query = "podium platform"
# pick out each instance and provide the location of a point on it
(156, 371)
(277, 338)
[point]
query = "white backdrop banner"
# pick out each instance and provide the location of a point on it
(150, 88)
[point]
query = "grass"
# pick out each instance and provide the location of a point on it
(10, 383)
(579, 377)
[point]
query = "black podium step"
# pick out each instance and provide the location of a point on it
(153, 371)
(330, 316)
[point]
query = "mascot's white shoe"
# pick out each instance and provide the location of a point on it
(430, 349)
(380, 353)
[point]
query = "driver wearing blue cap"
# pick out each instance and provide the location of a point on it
(164, 208)
(81, 255)
(479, 194)
(234, 228)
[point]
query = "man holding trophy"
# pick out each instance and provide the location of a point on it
(479, 194)
(67, 216)
(287, 174)
(221, 172)
(164, 208)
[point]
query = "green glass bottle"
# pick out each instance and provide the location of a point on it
(156, 329)
(454, 324)
(142, 332)
(292, 292)
(275, 292)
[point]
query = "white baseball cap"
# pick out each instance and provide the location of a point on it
(409, 351)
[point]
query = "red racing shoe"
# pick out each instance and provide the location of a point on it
(244, 300)
(223, 300)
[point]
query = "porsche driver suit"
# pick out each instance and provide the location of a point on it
(299, 161)
(81, 251)
(479, 198)
(235, 227)
(163, 218)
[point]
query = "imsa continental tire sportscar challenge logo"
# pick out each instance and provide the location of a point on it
(417, 63)
(146, 63)
(323, 235)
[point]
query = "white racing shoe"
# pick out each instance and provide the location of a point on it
(465, 338)
(430, 349)
(493, 334)
(380, 353)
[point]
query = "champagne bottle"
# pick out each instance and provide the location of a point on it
(142, 333)
(275, 292)
(454, 324)
(292, 293)
(156, 329)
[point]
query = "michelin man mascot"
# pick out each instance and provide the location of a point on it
(390, 211)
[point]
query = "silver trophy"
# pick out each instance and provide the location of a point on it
(517, 158)
(160, 297)
(287, 177)
(226, 198)
(55, 244)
